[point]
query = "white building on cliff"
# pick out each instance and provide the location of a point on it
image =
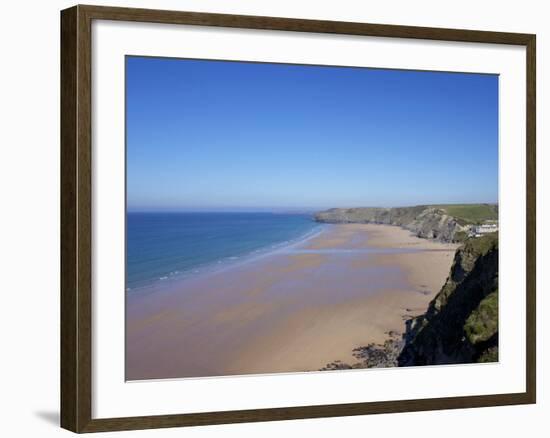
(479, 230)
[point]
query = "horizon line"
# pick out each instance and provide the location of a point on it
(259, 209)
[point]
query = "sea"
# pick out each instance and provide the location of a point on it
(163, 247)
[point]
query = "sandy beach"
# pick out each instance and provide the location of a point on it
(293, 310)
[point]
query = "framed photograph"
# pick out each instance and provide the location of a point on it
(271, 218)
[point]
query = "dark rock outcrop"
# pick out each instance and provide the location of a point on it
(372, 355)
(461, 323)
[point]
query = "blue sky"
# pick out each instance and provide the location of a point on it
(215, 135)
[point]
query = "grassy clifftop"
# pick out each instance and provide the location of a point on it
(461, 323)
(471, 213)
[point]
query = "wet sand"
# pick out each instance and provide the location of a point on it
(293, 310)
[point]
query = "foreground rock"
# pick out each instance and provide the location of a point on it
(372, 356)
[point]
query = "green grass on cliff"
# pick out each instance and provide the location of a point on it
(460, 236)
(471, 213)
(491, 355)
(483, 322)
(479, 246)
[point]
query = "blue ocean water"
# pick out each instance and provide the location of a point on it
(164, 246)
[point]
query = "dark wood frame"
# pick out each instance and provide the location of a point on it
(76, 168)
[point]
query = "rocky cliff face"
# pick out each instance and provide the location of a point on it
(461, 323)
(424, 221)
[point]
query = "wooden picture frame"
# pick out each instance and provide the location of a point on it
(76, 199)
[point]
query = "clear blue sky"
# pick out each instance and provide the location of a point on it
(235, 135)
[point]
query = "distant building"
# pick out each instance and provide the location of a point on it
(479, 230)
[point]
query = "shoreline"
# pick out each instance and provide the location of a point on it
(289, 311)
(219, 265)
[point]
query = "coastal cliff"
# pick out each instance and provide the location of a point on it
(444, 223)
(461, 323)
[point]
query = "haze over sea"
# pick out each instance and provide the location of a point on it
(164, 246)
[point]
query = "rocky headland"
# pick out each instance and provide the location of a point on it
(426, 221)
